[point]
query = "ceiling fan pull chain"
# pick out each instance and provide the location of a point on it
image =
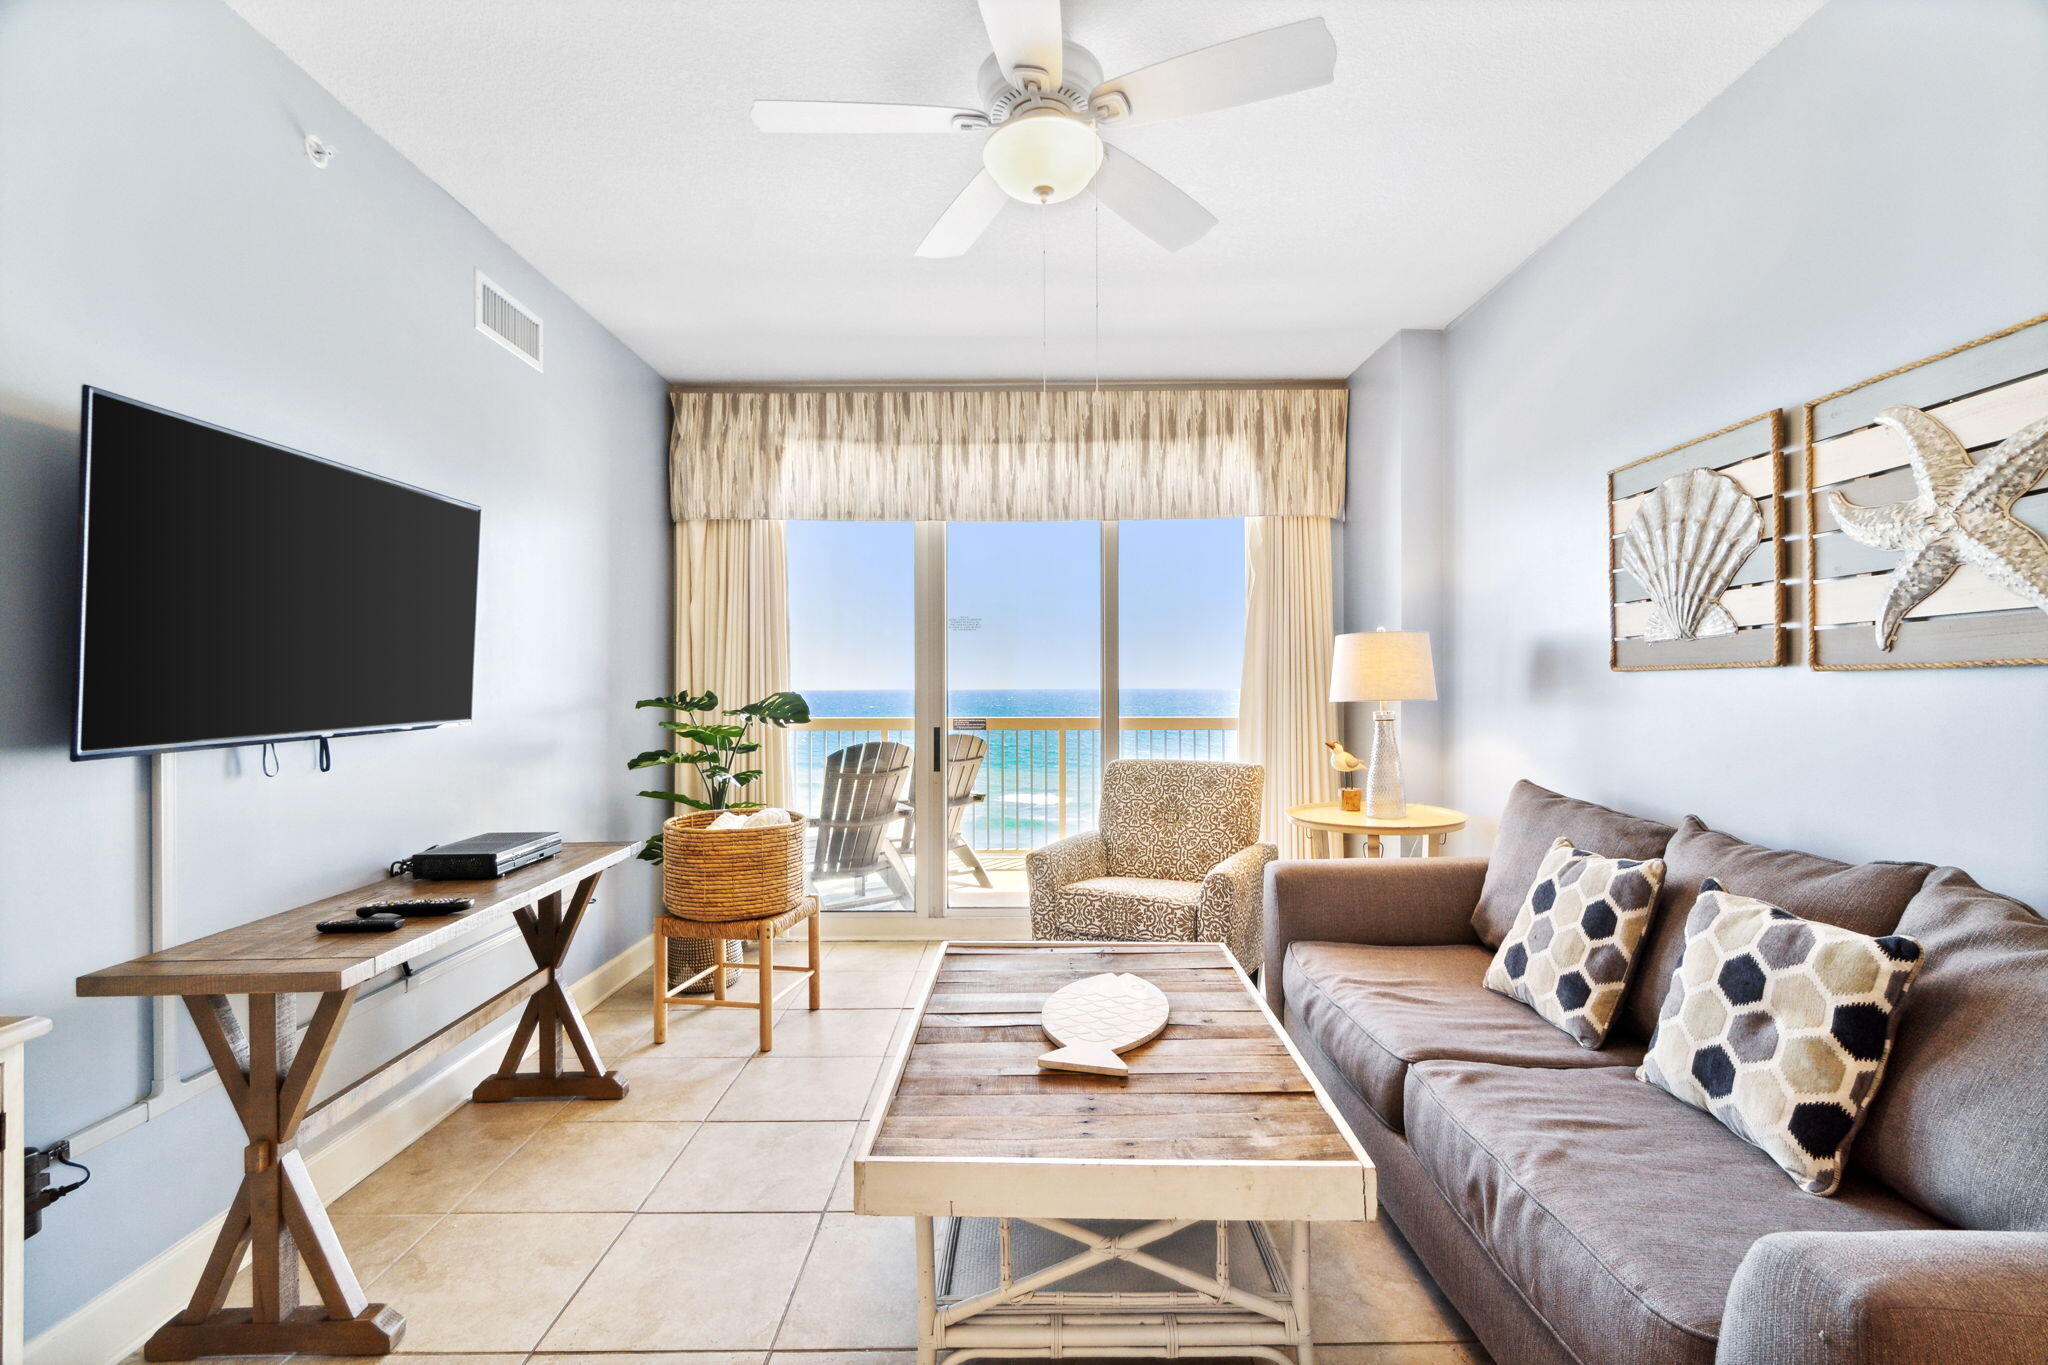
(1044, 330)
(1095, 221)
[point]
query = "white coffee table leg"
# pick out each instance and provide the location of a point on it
(1298, 1291)
(927, 1294)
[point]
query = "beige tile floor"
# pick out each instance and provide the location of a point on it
(706, 1218)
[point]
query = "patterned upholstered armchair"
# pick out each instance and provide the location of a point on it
(1178, 857)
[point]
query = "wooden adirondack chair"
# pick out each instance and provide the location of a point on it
(862, 796)
(965, 754)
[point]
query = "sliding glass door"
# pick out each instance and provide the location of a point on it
(1023, 698)
(968, 681)
(852, 654)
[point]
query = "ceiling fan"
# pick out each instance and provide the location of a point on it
(1044, 104)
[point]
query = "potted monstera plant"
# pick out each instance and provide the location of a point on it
(726, 874)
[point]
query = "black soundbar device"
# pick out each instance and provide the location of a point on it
(483, 856)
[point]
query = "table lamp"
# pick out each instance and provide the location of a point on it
(1382, 666)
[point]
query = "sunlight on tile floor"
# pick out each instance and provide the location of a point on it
(706, 1218)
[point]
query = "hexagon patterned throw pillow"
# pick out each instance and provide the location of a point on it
(1575, 937)
(1779, 1027)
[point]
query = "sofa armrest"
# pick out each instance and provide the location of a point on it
(1398, 902)
(1843, 1298)
(1075, 858)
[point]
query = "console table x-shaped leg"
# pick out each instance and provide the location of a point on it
(270, 1075)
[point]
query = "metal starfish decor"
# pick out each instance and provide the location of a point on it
(1961, 514)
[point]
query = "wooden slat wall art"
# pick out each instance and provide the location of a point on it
(1983, 392)
(1748, 453)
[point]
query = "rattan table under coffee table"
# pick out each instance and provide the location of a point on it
(1061, 1214)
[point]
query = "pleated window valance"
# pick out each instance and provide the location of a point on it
(1006, 454)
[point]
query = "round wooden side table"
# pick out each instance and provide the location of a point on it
(1431, 824)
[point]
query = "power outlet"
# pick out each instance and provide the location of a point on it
(38, 1194)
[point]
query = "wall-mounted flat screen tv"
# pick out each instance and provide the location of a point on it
(236, 592)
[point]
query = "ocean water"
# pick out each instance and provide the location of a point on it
(1037, 783)
(1136, 701)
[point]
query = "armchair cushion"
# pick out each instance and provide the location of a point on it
(1115, 908)
(1176, 820)
(1844, 1298)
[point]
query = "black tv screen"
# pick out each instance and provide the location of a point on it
(237, 592)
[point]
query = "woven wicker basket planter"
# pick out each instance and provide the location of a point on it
(689, 956)
(730, 874)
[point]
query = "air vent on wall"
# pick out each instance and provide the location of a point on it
(506, 321)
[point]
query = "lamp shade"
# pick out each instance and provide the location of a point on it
(1382, 665)
(1044, 155)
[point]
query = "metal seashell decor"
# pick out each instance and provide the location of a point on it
(1688, 540)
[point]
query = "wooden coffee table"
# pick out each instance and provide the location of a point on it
(1067, 1214)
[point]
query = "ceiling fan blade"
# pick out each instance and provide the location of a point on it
(1025, 33)
(851, 116)
(1148, 201)
(1258, 66)
(965, 219)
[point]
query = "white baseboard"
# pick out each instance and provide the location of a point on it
(109, 1328)
(862, 926)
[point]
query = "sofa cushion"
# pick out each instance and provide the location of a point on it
(1866, 898)
(1374, 1010)
(1568, 955)
(1961, 1125)
(1534, 820)
(1780, 1027)
(1619, 1213)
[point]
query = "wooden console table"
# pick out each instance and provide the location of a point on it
(270, 1076)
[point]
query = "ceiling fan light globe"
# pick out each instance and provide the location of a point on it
(1043, 156)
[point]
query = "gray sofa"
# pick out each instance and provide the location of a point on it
(1575, 1214)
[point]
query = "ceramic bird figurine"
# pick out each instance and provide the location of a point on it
(1341, 758)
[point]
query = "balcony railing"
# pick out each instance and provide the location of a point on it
(1041, 775)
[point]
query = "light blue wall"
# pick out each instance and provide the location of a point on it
(1391, 569)
(1873, 191)
(162, 234)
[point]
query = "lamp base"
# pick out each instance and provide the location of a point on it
(1384, 797)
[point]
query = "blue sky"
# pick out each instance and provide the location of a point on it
(1023, 599)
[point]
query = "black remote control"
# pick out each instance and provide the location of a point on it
(419, 906)
(370, 924)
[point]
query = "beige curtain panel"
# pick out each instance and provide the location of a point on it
(1006, 454)
(1285, 714)
(732, 631)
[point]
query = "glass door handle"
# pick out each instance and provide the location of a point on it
(938, 763)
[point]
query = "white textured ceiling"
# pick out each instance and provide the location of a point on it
(609, 142)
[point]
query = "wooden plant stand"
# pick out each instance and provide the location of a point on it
(270, 1075)
(759, 931)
